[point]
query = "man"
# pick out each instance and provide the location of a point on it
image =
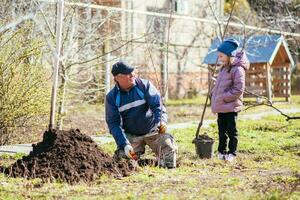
(136, 117)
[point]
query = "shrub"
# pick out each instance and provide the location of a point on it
(23, 89)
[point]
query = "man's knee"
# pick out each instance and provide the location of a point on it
(168, 151)
(167, 142)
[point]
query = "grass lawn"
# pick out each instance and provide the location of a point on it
(185, 110)
(267, 167)
(90, 118)
(200, 100)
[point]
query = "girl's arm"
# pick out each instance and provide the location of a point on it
(238, 86)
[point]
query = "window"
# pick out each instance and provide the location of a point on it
(180, 6)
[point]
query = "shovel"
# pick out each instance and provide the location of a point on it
(203, 143)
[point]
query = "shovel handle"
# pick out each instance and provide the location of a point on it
(203, 113)
(207, 96)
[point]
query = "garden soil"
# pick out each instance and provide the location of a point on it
(68, 156)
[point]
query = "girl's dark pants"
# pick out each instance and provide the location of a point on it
(227, 128)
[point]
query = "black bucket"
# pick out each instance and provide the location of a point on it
(204, 146)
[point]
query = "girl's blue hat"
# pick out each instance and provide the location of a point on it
(229, 47)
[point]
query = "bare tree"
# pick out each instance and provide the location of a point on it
(281, 15)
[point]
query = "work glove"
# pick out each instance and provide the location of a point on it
(162, 128)
(129, 152)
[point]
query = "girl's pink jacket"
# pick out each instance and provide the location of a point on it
(227, 94)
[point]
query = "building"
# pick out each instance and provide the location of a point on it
(271, 64)
(173, 48)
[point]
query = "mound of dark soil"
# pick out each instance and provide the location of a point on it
(68, 156)
(205, 137)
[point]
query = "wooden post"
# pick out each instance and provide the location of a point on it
(166, 76)
(269, 82)
(60, 16)
(131, 22)
(88, 31)
(288, 84)
(107, 66)
(163, 73)
(123, 25)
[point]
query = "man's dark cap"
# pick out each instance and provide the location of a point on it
(121, 68)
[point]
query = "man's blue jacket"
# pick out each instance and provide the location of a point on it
(136, 112)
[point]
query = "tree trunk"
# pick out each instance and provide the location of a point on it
(61, 105)
(163, 74)
(179, 93)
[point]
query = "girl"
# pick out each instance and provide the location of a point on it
(227, 95)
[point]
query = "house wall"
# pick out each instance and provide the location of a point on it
(182, 53)
(168, 46)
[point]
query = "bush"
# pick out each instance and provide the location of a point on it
(23, 90)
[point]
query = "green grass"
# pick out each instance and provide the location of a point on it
(295, 103)
(267, 167)
(191, 109)
(199, 100)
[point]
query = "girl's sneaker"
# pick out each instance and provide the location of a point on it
(221, 156)
(230, 157)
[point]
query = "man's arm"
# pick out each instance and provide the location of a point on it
(153, 99)
(113, 120)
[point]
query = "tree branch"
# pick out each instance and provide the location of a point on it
(270, 104)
